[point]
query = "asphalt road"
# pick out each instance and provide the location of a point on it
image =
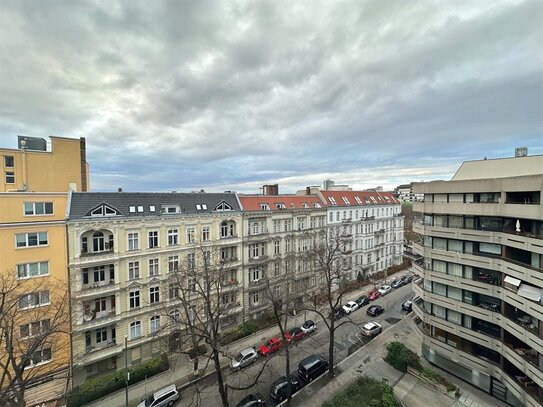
(347, 340)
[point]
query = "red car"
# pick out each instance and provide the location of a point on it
(294, 334)
(373, 295)
(273, 345)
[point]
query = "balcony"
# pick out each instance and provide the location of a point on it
(98, 288)
(258, 237)
(258, 259)
(257, 283)
(229, 285)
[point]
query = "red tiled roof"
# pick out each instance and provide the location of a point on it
(358, 198)
(252, 203)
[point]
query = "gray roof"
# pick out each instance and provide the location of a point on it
(82, 203)
(500, 168)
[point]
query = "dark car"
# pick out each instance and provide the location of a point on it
(405, 280)
(375, 310)
(312, 367)
(279, 388)
(252, 400)
(295, 334)
(362, 300)
(338, 313)
(407, 306)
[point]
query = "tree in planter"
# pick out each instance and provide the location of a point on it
(328, 254)
(34, 327)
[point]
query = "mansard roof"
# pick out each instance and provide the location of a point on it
(141, 204)
(358, 198)
(279, 202)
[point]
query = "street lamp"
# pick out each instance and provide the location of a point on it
(126, 373)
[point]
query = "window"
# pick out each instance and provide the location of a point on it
(134, 299)
(173, 263)
(32, 300)
(10, 177)
(223, 206)
(31, 239)
(166, 209)
(153, 239)
(33, 269)
(332, 200)
(288, 225)
(101, 335)
(154, 323)
(133, 270)
(153, 267)
(276, 269)
(280, 206)
(264, 207)
(152, 208)
(154, 295)
(345, 200)
(102, 210)
(132, 209)
(38, 208)
(276, 245)
(99, 274)
(191, 261)
(301, 223)
(256, 227)
(206, 233)
(133, 241)
(173, 237)
(255, 274)
(287, 245)
(8, 161)
(276, 226)
(140, 208)
(254, 297)
(34, 328)
(38, 357)
(190, 234)
(174, 291)
(135, 329)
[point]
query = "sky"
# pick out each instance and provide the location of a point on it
(232, 95)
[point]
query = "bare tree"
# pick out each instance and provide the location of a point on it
(329, 255)
(34, 325)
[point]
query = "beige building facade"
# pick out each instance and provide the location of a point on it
(480, 302)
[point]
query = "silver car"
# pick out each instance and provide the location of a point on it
(165, 397)
(245, 358)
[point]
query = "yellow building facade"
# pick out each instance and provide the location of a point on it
(33, 266)
(37, 167)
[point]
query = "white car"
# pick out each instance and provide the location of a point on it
(245, 358)
(384, 290)
(350, 307)
(371, 329)
(308, 326)
(165, 397)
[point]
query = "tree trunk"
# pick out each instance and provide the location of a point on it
(331, 372)
(220, 380)
(289, 388)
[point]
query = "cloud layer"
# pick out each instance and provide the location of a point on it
(231, 95)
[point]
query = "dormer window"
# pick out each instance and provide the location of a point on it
(332, 200)
(280, 206)
(317, 205)
(223, 206)
(264, 207)
(292, 205)
(345, 200)
(373, 199)
(168, 209)
(358, 200)
(304, 205)
(103, 210)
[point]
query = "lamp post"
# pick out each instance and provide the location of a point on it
(126, 374)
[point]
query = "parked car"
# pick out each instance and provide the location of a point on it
(404, 280)
(407, 306)
(375, 310)
(252, 400)
(312, 367)
(295, 334)
(410, 278)
(396, 283)
(309, 326)
(373, 295)
(371, 329)
(245, 358)
(350, 307)
(279, 388)
(384, 290)
(160, 398)
(362, 300)
(271, 346)
(338, 313)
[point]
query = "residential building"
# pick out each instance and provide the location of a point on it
(481, 298)
(405, 193)
(375, 222)
(277, 233)
(34, 167)
(33, 261)
(126, 251)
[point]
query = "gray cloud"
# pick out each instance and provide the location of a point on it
(183, 95)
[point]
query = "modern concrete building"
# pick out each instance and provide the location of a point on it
(374, 220)
(405, 193)
(481, 298)
(124, 251)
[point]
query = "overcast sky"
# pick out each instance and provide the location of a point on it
(183, 95)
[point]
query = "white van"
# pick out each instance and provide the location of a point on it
(161, 398)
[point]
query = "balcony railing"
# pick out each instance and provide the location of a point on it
(92, 316)
(258, 259)
(108, 248)
(100, 346)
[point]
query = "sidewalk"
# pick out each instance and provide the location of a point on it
(181, 372)
(410, 391)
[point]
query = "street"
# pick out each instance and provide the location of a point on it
(347, 340)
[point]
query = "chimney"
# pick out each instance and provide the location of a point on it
(119, 190)
(308, 190)
(271, 189)
(521, 152)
